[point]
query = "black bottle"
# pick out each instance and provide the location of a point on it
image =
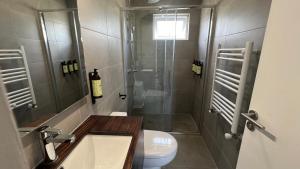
(75, 65)
(95, 85)
(70, 67)
(64, 68)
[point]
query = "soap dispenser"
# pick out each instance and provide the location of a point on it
(75, 65)
(194, 66)
(95, 86)
(70, 67)
(65, 68)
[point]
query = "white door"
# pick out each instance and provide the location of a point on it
(276, 95)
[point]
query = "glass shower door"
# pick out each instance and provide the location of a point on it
(149, 61)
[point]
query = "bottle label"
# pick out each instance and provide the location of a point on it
(71, 68)
(193, 68)
(65, 69)
(76, 66)
(97, 88)
(198, 70)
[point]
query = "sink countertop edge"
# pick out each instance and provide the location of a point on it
(107, 125)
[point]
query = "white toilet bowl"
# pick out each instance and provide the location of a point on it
(160, 148)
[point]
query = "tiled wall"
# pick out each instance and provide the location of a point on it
(101, 36)
(237, 21)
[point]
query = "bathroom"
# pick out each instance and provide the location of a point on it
(149, 84)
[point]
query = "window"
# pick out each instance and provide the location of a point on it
(171, 26)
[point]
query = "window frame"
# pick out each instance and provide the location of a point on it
(171, 17)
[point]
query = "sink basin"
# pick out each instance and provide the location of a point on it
(98, 152)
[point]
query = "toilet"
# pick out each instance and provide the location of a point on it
(160, 148)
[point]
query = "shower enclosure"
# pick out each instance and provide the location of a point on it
(160, 45)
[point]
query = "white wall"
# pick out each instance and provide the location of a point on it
(11, 152)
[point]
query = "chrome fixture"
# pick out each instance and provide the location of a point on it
(252, 117)
(50, 136)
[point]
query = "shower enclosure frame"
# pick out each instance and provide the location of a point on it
(209, 48)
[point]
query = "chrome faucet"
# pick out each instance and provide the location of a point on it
(50, 136)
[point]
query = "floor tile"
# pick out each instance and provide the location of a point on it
(192, 153)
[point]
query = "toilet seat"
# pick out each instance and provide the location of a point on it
(160, 148)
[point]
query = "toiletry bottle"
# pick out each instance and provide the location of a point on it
(197, 67)
(64, 67)
(70, 66)
(75, 65)
(96, 85)
(200, 69)
(194, 66)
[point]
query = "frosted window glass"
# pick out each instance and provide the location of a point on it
(171, 26)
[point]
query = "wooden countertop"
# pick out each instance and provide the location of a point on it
(107, 125)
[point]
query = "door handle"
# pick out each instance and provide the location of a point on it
(252, 117)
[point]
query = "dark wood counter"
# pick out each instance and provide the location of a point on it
(107, 125)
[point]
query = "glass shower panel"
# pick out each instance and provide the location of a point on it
(160, 46)
(150, 67)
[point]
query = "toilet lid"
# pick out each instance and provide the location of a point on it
(159, 144)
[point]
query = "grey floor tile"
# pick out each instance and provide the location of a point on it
(183, 123)
(192, 154)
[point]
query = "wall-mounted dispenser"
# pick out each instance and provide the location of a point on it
(65, 68)
(199, 68)
(75, 65)
(95, 86)
(70, 67)
(194, 66)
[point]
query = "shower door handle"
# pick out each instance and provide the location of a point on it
(132, 70)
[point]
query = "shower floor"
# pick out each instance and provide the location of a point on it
(177, 123)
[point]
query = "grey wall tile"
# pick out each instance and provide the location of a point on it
(93, 14)
(247, 15)
(238, 21)
(113, 19)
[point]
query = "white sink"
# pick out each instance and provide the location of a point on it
(98, 152)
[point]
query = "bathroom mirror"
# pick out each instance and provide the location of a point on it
(49, 32)
(63, 48)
